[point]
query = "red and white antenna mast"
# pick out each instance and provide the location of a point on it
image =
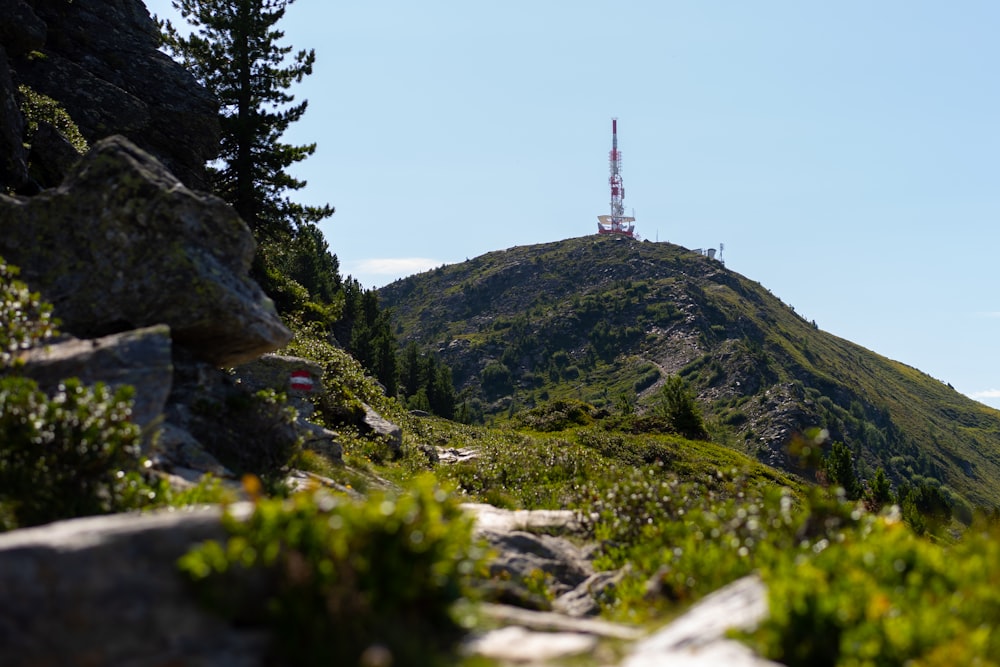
(617, 222)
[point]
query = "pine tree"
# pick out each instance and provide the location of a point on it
(234, 51)
(677, 405)
(840, 469)
(880, 490)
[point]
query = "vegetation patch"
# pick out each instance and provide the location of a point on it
(73, 454)
(336, 579)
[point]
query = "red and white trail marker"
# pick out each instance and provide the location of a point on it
(300, 381)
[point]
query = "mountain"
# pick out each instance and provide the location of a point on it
(606, 319)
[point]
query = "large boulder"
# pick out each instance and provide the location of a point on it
(122, 244)
(226, 421)
(299, 379)
(100, 61)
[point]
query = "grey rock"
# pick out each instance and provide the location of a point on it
(100, 61)
(139, 358)
(519, 645)
(106, 591)
(321, 440)
(52, 156)
(299, 379)
(582, 600)
(380, 426)
(21, 30)
(547, 621)
(177, 452)
(490, 518)
(430, 452)
(301, 480)
(449, 455)
(521, 554)
(697, 638)
(225, 420)
(123, 244)
(13, 155)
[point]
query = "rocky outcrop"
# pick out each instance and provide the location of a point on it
(391, 434)
(140, 359)
(99, 61)
(300, 380)
(152, 281)
(13, 154)
(524, 547)
(122, 244)
(698, 638)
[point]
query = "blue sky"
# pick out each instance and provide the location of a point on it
(847, 154)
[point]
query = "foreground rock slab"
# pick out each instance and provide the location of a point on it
(698, 638)
(106, 591)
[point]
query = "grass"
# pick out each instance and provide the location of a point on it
(615, 308)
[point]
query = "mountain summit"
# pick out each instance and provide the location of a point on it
(607, 319)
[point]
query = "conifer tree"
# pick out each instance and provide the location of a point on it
(234, 50)
(840, 469)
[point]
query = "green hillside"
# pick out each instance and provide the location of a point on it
(606, 320)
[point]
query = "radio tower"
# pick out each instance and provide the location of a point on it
(617, 222)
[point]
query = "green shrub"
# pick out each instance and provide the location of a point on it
(684, 538)
(676, 404)
(884, 596)
(332, 577)
(74, 454)
(27, 320)
(839, 466)
(497, 379)
(633, 450)
(557, 415)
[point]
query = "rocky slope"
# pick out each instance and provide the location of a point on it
(606, 319)
(99, 61)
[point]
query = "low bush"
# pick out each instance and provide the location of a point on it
(25, 320)
(683, 538)
(334, 578)
(38, 108)
(557, 415)
(885, 596)
(73, 454)
(519, 471)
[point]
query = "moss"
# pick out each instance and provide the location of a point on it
(37, 108)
